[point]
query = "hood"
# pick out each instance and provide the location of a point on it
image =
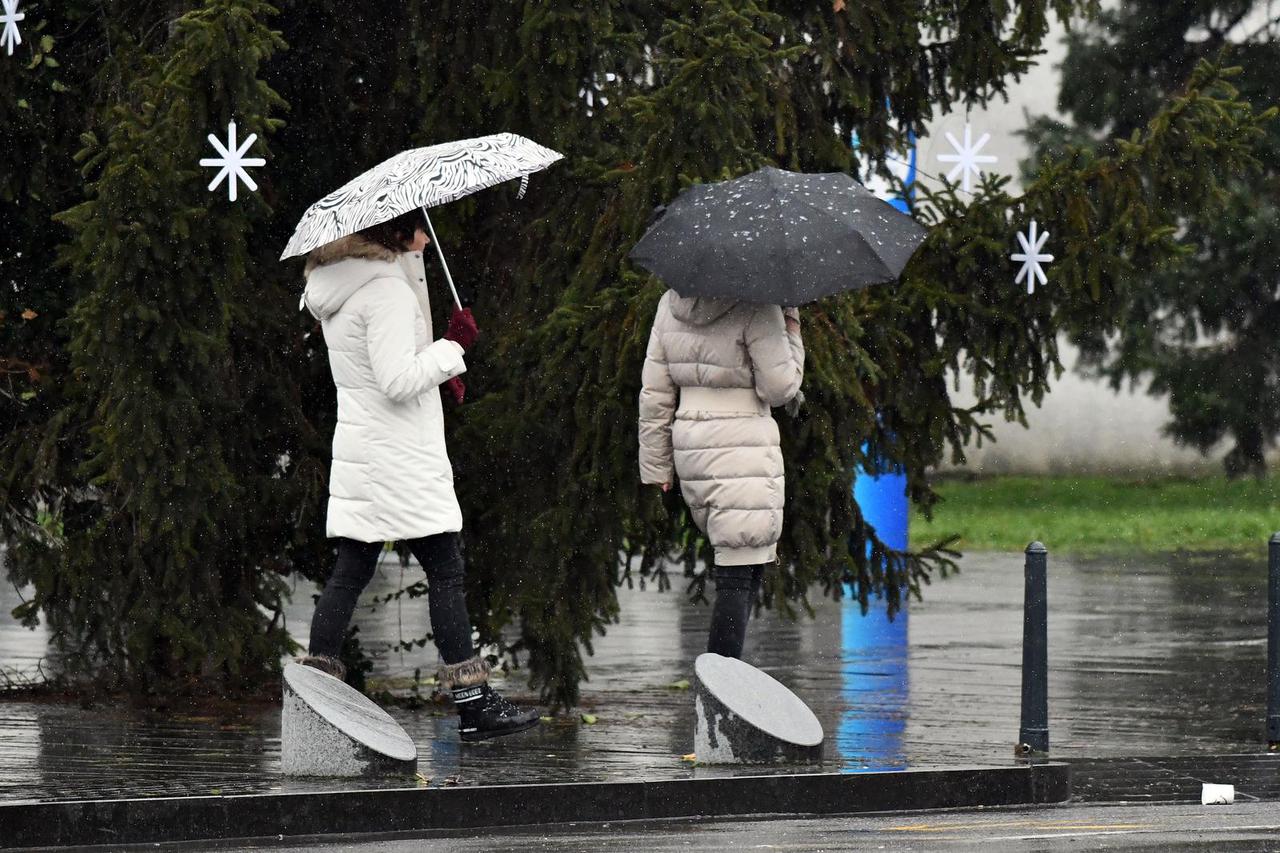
(699, 310)
(337, 270)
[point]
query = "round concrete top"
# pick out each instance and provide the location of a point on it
(350, 712)
(759, 699)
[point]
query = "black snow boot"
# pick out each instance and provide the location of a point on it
(485, 714)
(482, 711)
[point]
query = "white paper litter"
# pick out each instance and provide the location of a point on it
(1217, 795)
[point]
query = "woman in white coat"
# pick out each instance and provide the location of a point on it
(391, 478)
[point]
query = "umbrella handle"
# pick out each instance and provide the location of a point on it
(439, 251)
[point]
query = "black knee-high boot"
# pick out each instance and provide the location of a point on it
(735, 595)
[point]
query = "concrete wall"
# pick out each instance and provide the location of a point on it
(1083, 426)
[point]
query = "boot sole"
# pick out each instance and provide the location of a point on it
(474, 737)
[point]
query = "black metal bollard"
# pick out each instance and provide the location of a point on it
(1273, 641)
(1033, 736)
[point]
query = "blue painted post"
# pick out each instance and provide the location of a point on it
(1273, 642)
(1033, 736)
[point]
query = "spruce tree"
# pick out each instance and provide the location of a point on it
(158, 572)
(1202, 331)
(39, 131)
(169, 472)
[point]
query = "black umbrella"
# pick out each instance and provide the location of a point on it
(778, 237)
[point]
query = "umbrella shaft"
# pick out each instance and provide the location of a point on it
(439, 251)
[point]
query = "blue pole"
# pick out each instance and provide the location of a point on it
(882, 495)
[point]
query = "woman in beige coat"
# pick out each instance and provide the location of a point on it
(713, 370)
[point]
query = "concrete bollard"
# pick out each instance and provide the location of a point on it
(744, 716)
(1033, 735)
(328, 728)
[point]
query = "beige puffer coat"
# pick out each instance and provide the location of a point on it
(728, 362)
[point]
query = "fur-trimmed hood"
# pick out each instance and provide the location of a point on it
(351, 246)
(337, 270)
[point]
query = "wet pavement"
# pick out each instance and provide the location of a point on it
(1177, 779)
(1184, 829)
(1148, 657)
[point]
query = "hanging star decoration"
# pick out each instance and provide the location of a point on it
(232, 161)
(11, 38)
(1032, 258)
(966, 157)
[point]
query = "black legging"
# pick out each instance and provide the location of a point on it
(441, 557)
(736, 589)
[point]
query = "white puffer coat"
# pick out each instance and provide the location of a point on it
(391, 478)
(728, 362)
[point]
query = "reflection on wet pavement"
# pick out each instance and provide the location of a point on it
(1148, 656)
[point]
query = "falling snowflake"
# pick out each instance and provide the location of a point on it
(232, 161)
(1032, 258)
(11, 38)
(967, 157)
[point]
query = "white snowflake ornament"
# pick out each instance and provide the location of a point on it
(966, 157)
(10, 37)
(1032, 258)
(232, 161)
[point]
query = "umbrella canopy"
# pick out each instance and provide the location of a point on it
(778, 237)
(420, 177)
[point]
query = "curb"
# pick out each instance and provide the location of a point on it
(138, 821)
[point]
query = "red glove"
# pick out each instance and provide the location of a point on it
(455, 387)
(462, 328)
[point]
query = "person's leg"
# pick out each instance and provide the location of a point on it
(757, 580)
(441, 559)
(735, 594)
(482, 712)
(356, 564)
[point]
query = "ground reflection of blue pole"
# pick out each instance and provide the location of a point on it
(873, 658)
(873, 648)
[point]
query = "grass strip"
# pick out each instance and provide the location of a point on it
(1103, 515)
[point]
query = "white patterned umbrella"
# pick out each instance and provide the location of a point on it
(420, 177)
